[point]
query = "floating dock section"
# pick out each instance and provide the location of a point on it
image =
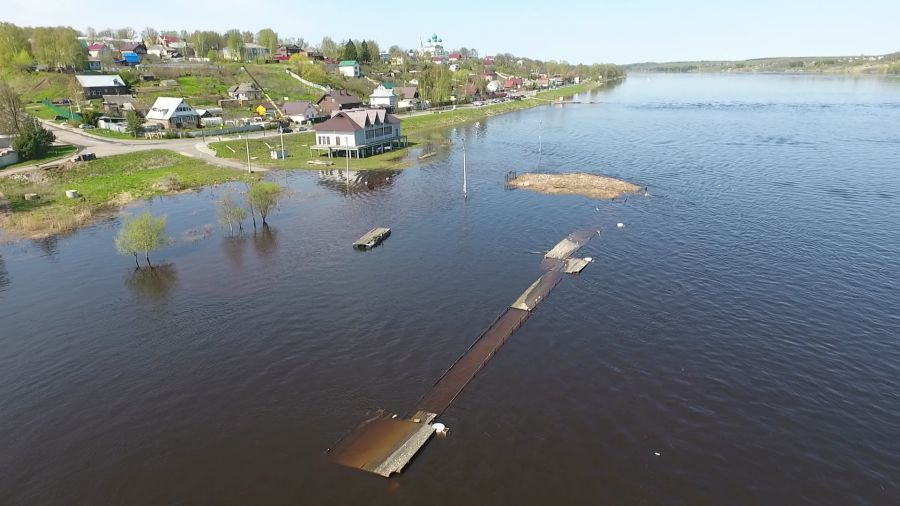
(372, 238)
(385, 443)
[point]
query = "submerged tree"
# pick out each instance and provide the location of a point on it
(263, 197)
(142, 234)
(230, 213)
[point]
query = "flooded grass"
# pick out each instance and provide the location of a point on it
(101, 184)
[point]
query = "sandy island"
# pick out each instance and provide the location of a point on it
(588, 185)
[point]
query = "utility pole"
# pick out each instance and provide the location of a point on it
(249, 167)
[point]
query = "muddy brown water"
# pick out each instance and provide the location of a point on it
(735, 342)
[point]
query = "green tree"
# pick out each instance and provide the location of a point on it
(33, 140)
(12, 116)
(268, 39)
(22, 61)
(12, 42)
(134, 123)
(262, 198)
(90, 116)
(364, 55)
(58, 47)
(230, 213)
(235, 43)
(329, 48)
(350, 51)
(142, 234)
(374, 50)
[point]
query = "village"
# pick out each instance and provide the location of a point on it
(168, 86)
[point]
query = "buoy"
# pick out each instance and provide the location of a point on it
(620, 225)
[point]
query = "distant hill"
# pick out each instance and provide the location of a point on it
(863, 64)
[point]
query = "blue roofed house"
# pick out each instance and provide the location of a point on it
(130, 58)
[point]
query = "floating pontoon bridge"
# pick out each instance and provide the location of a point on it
(385, 443)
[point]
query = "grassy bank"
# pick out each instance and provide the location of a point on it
(54, 153)
(415, 127)
(297, 146)
(102, 184)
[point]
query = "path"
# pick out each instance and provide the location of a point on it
(102, 147)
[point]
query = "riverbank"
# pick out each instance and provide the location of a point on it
(102, 185)
(414, 127)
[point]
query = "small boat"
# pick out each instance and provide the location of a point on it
(427, 155)
(319, 162)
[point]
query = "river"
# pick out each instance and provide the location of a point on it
(734, 343)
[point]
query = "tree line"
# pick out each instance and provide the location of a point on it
(56, 47)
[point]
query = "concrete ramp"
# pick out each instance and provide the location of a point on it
(385, 443)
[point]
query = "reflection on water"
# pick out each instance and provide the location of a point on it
(154, 284)
(345, 181)
(49, 245)
(265, 240)
(233, 246)
(4, 275)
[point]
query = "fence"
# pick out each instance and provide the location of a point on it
(62, 112)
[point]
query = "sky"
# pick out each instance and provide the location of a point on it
(578, 31)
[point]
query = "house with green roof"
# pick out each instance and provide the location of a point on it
(349, 68)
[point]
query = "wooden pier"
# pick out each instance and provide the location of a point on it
(372, 238)
(385, 444)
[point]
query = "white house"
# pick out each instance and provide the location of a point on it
(494, 86)
(409, 97)
(349, 68)
(171, 112)
(383, 96)
(359, 131)
(299, 111)
(245, 92)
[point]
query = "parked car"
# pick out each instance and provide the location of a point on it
(284, 130)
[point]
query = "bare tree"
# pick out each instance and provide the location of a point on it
(12, 116)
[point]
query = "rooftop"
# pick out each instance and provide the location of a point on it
(100, 81)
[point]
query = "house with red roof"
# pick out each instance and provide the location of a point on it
(513, 83)
(454, 57)
(166, 40)
(96, 49)
(361, 132)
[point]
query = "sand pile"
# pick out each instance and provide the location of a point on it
(588, 185)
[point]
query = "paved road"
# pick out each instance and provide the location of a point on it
(102, 147)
